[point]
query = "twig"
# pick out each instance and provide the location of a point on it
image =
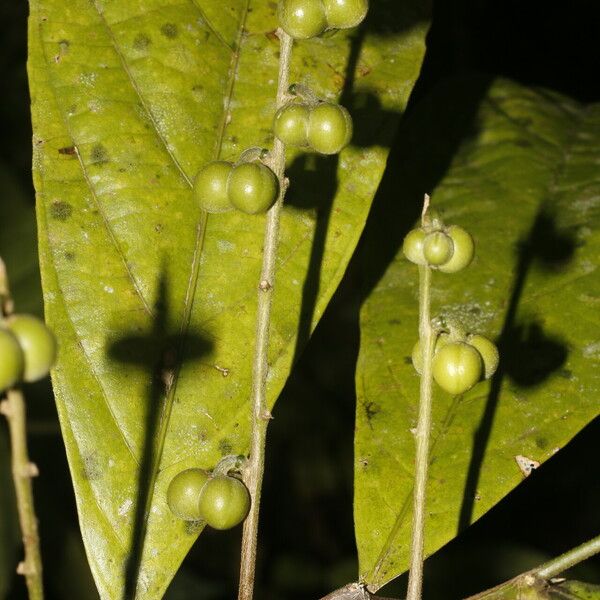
(422, 435)
(13, 408)
(253, 473)
(565, 561)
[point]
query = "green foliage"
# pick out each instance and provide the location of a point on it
(154, 301)
(526, 184)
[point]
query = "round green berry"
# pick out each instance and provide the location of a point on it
(210, 187)
(343, 14)
(291, 124)
(302, 19)
(417, 356)
(489, 353)
(413, 246)
(464, 250)
(329, 128)
(253, 188)
(224, 502)
(183, 494)
(437, 248)
(12, 360)
(37, 343)
(457, 367)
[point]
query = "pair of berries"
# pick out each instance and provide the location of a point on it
(459, 362)
(447, 249)
(27, 350)
(251, 187)
(325, 128)
(221, 501)
(303, 19)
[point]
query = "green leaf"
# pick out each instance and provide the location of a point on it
(153, 302)
(574, 590)
(525, 182)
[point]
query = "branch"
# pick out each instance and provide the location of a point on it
(254, 471)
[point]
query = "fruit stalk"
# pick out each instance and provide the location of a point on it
(253, 473)
(23, 470)
(423, 431)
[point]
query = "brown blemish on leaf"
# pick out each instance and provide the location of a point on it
(169, 30)
(60, 211)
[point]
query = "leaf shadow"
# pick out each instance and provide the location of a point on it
(160, 352)
(528, 355)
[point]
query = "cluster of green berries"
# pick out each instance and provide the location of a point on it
(222, 501)
(324, 127)
(447, 249)
(459, 361)
(303, 19)
(27, 350)
(250, 187)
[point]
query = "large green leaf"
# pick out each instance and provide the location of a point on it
(153, 302)
(525, 182)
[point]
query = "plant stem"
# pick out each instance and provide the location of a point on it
(422, 434)
(254, 471)
(13, 408)
(561, 563)
(23, 470)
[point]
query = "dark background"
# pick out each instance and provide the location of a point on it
(307, 547)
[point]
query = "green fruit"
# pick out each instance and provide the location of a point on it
(210, 187)
(302, 19)
(489, 353)
(37, 343)
(291, 124)
(253, 188)
(437, 248)
(329, 128)
(417, 357)
(464, 250)
(183, 494)
(343, 14)
(457, 367)
(413, 246)
(224, 502)
(12, 360)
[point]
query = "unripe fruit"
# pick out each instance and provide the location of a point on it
(224, 502)
(12, 360)
(302, 19)
(37, 343)
(489, 353)
(252, 187)
(464, 250)
(291, 124)
(183, 494)
(437, 248)
(343, 14)
(457, 367)
(210, 187)
(413, 246)
(417, 355)
(329, 128)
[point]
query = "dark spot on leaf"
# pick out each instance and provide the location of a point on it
(70, 255)
(394, 321)
(68, 150)
(99, 155)
(158, 227)
(192, 527)
(60, 211)
(371, 410)
(541, 442)
(408, 360)
(91, 467)
(141, 42)
(169, 30)
(225, 447)
(475, 310)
